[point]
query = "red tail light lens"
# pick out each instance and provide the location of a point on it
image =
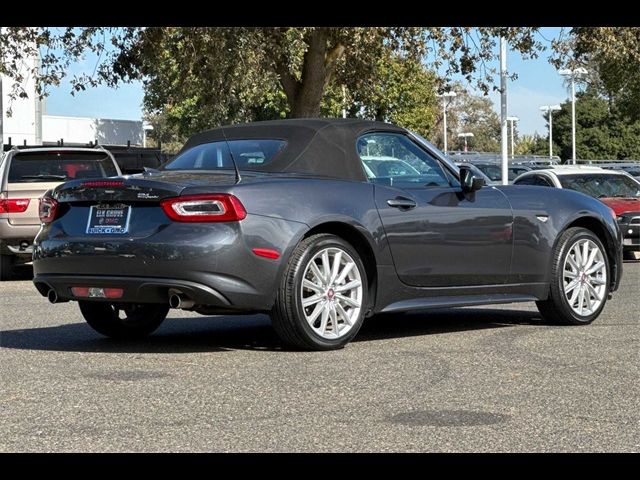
(48, 209)
(13, 205)
(220, 207)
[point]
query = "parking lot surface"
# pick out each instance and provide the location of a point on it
(472, 379)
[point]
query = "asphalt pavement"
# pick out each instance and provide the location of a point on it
(472, 379)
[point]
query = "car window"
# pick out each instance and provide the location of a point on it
(602, 185)
(394, 159)
(248, 155)
(59, 166)
(536, 180)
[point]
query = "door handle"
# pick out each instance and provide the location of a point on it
(401, 202)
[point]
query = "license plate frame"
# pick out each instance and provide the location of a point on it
(117, 216)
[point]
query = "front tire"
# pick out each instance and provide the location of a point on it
(133, 321)
(322, 298)
(579, 279)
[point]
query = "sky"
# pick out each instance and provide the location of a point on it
(538, 83)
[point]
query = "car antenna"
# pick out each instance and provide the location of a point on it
(235, 165)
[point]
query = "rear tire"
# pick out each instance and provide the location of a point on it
(135, 321)
(579, 286)
(326, 312)
(6, 267)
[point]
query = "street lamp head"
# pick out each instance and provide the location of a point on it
(555, 107)
(513, 119)
(447, 94)
(567, 72)
(466, 134)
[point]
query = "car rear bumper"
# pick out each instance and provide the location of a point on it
(17, 239)
(136, 289)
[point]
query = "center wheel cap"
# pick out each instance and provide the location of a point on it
(330, 294)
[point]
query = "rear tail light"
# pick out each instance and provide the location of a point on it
(220, 207)
(48, 209)
(13, 205)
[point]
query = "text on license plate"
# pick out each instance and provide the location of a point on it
(108, 219)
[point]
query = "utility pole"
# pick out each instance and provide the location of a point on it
(512, 120)
(445, 104)
(503, 111)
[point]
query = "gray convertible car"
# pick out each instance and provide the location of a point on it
(319, 223)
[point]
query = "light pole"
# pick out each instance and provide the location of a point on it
(444, 111)
(145, 128)
(573, 74)
(465, 135)
(504, 154)
(512, 120)
(551, 109)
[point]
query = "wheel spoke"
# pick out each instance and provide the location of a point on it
(598, 280)
(592, 257)
(571, 274)
(570, 286)
(343, 313)
(585, 252)
(307, 302)
(577, 254)
(316, 272)
(595, 268)
(345, 271)
(337, 258)
(323, 320)
(312, 286)
(326, 267)
(347, 300)
(334, 322)
(348, 286)
(593, 291)
(581, 298)
(311, 319)
(573, 263)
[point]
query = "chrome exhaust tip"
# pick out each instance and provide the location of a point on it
(52, 296)
(181, 301)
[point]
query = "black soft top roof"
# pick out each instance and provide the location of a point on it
(320, 146)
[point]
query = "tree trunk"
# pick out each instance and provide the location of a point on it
(305, 95)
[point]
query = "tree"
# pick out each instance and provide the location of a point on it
(469, 113)
(247, 65)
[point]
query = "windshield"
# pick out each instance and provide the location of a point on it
(602, 185)
(59, 166)
(491, 171)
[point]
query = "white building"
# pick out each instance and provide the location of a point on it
(29, 123)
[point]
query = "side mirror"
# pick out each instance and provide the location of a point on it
(469, 181)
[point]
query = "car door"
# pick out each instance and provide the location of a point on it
(438, 236)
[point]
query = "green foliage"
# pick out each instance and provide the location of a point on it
(602, 130)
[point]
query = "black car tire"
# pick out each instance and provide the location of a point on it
(288, 317)
(139, 319)
(556, 309)
(6, 267)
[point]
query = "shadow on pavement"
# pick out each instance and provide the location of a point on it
(253, 332)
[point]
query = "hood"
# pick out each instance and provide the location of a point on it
(622, 205)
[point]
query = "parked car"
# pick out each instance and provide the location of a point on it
(134, 159)
(493, 171)
(617, 189)
(25, 175)
(307, 237)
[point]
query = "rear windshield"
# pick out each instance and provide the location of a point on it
(602, 185)
(247, 154)
(59, 166)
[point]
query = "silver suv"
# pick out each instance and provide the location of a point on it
(27, 174)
